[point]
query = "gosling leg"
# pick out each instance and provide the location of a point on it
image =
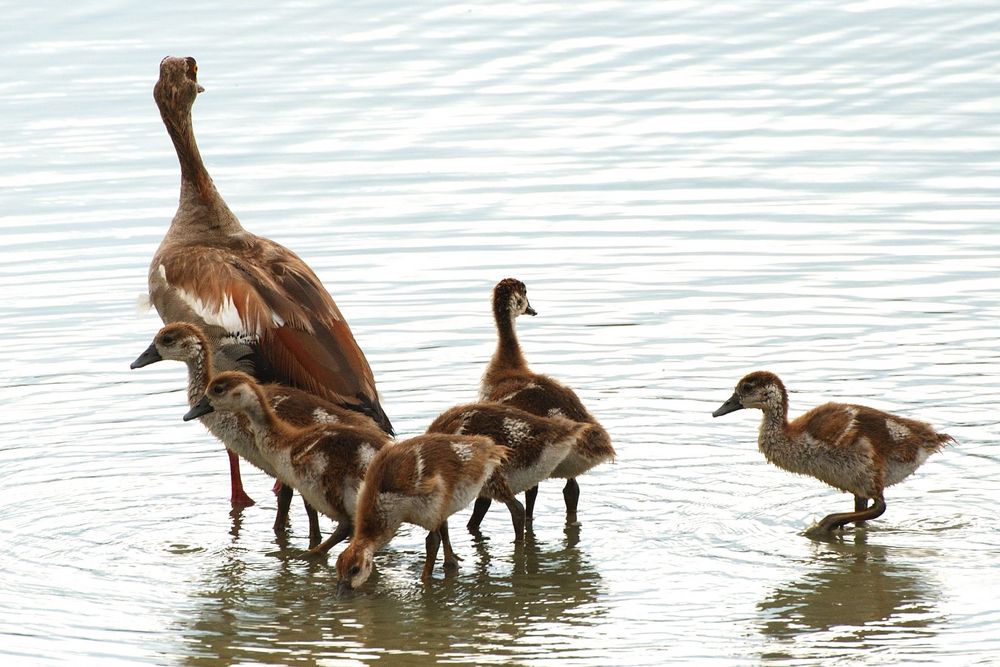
(284, 493)
(835, 521)
(450, 557)
(517, 517)
(571, 494)
(860, 505)
(315, 534)
(529, 502)
(478, 512)
(342, 532)
(432, 542)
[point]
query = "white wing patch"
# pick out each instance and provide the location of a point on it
(463, 451)
(897, 431)
(321, 416)
(226, 316)
(365, 455)
(516, 429)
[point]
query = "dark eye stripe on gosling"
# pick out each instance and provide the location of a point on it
(853, 448)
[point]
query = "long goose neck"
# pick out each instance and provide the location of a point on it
(201, 208)
(194, 176)
(508, 353)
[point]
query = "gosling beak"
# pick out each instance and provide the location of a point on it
(732, 405)
(202, 407)
(530, 311)
(201, 88)
(343, 587)
(150, 356)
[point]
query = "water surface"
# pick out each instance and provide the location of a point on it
(689, 191)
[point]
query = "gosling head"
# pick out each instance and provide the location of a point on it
(230, 391)
(178, 341)
(354, 566)
(511, 296)
(759, 389)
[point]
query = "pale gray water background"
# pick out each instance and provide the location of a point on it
(690, 191)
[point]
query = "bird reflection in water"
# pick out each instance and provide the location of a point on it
(252, 609)
(856, 595)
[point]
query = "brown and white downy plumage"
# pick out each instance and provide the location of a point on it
(187, 343)
(324, 462)
(853, 448)
(538, 445)
(255, 299)
(422, 481)
(508, 380)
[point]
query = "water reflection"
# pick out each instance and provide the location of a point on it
(505, 601)
(854, 594)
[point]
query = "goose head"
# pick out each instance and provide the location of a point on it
(177, 86)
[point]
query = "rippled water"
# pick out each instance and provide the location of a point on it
(690, 191)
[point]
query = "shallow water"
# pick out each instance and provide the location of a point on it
(689, 191)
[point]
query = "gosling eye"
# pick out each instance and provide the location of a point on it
(167, 340)
(192, 71)
(355, 570)
(746, 388)
(217, 389)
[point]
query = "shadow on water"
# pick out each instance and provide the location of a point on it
(505, 601)
(854, 595)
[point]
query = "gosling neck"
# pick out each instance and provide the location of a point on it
(265, 423)
(374, 528)
(508, 353)
(199, 371)
(774, 428)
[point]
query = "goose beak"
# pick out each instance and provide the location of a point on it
(201, 88)
(201, 408)
(343, 587)
(530, 311)
(732, 405)
(150, 356)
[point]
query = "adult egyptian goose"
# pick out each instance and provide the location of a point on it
(538, 445)
(853, 448)
(423, 481)
(508, 380)
(325, 462)
(257, 300)
(187, 343)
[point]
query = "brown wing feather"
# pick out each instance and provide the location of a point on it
(282, 308)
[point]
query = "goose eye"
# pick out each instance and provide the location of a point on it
(745, 388)
(192, 69)
(355, 569)
(168, 340)
(217, 389)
